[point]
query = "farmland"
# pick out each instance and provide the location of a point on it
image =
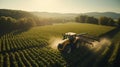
(32, 48)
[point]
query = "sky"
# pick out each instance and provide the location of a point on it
(62, 6)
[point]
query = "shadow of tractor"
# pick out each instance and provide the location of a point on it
(78, 55)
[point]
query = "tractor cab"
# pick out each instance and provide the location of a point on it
(70, 36)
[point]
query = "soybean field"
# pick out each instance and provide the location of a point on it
(37, 47)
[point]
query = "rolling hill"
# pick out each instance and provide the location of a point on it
(20, 14)
(17, 14)
(73, 15)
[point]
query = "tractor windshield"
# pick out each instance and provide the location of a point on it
(69, 35)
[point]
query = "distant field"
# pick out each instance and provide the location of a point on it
(30, 48)
(58, 29)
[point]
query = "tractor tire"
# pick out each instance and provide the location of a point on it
(68, 49)
(77, 45)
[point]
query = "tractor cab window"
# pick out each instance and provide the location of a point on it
(72, 37)
(69, 35)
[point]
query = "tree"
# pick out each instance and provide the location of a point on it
(111, 22)
(106, 21)
(95, 21)
(21, 23)
(86, 19)
(118, 21)
(91, 20)
(103, 20)
(7, 23)
(81, 18)
(30, 22)
(25, 23)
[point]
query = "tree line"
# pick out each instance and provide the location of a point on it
(17, 19)
(9, 23)
(101, 21)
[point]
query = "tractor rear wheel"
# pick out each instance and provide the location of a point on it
(77, 44)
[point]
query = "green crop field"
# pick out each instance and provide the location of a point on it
(32, 48)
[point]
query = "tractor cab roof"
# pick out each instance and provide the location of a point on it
(70, 33)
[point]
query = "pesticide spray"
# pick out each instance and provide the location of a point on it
(54, 41)
(103, 43)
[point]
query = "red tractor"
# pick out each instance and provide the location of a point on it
(73, 40)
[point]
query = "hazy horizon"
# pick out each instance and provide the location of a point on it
(62, 6)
